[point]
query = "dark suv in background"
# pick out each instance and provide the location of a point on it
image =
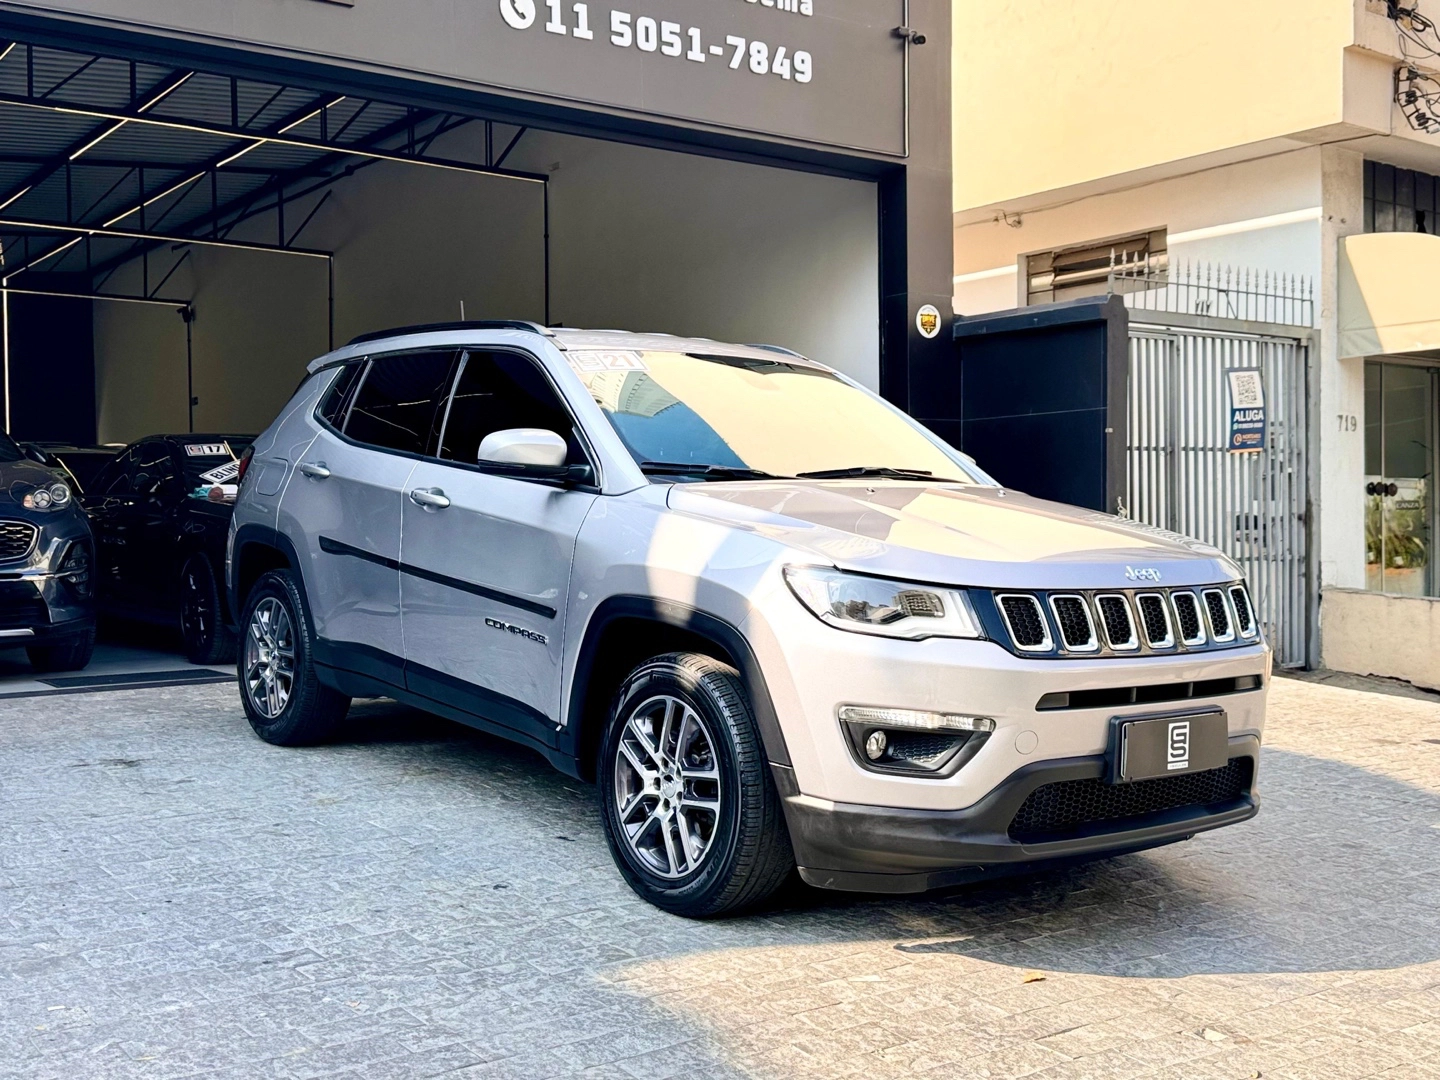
(161, 513)
(46, 588)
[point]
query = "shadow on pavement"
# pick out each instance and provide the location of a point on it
(1340, 871)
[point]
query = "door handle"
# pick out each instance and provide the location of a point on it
(430, 498)
(315, 470)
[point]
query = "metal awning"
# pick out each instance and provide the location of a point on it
(1389, 302)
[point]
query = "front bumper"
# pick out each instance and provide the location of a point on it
(885, 849)
(40, 603)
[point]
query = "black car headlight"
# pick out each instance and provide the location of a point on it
(56, 496)
(870, 605)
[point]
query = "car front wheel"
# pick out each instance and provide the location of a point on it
(691, 814)
(284, 701)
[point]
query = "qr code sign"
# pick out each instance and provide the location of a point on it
(1246, 390)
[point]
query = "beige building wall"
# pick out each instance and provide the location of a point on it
(1056, 94)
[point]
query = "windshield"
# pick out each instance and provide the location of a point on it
(756, 417)
(9, 449)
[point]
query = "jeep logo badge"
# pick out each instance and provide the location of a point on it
(1142, 573)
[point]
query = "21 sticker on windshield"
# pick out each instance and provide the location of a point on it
(649, 35)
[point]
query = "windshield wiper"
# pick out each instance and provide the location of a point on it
(881, 471)
(706, 472)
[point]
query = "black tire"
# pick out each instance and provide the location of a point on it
(310, 712)
(71, 654)
(746, 855)
(202, 625)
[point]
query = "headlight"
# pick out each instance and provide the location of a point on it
(867, 605)
(55, 497)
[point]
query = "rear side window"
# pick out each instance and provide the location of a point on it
(498, 391)
(400, 401)
(337, 399)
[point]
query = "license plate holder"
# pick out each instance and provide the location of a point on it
(1173, 744)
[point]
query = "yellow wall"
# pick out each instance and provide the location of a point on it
(1050, 93)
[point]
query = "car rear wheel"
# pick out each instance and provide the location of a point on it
(72, 654)
(207, 639)
(284, 701)
(691, 814)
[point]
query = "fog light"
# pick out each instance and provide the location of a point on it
(875, 745)
(914, 718)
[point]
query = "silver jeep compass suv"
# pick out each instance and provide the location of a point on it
(778, 622)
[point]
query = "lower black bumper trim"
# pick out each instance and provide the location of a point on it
(893, 850)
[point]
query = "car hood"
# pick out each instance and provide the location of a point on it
(957, 534)
(19, 478)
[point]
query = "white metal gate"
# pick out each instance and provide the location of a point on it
(1253, 506)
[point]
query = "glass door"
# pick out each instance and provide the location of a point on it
(1399, 463)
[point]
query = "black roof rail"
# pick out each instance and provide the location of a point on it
(447, 327)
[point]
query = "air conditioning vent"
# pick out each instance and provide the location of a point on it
(1119, 626)
(1187, 617)
(1244, 613)
(1153, 613)
(1026, 623)
(1077, 630)
(1221, 628)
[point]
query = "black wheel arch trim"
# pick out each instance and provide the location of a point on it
(681, 617)
(262, 536)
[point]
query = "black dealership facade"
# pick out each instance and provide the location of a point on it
(147, 140)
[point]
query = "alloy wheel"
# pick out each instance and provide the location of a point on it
(667, 786)
(270, 657)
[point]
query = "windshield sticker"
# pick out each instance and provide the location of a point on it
(225, 474)
(208, 449)
(587, 362)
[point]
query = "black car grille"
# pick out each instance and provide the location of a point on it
(17, 539)
(1027, 625)
(1126, 622)
(1115, 614)
(1157, 622)
(1244, 617)
(1075, 629)
(19, 612)
(1061, 810)
(1187, 612)
(1219, 613)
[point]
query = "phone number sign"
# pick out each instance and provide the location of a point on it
(827, 71)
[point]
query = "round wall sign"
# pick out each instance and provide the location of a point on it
(927, 321)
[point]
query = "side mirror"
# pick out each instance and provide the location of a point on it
(524, 449)
(531, 452)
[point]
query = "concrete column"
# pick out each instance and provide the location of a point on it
(1337, 391)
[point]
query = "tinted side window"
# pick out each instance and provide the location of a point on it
(337, 399)
(400, 403)
(498, 391)
(152, 469)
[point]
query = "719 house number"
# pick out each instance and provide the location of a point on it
(667, 38)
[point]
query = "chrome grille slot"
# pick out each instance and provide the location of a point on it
(17, 539)
(1221, 628)
(1187, 617)
(1244, 613)
(1159, 634)
(1026, 622)
(1118, 623)
(1077, 629)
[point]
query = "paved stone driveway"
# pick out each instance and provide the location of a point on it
(177, 898)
